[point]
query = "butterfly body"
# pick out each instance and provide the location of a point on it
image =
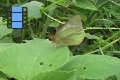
(70, 33)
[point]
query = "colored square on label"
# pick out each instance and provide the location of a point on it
(16, 16)
(16, 24)
(16, 9)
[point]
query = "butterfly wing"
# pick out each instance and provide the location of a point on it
(75, 21)
(71, 33)
(73, 37)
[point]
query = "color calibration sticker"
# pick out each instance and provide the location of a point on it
(17, 17)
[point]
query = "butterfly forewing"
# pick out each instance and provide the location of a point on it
(75, 21)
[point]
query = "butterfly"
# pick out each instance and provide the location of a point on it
(71, 33)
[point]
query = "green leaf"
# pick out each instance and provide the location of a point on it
(23, 61)
(85, 4)
(3, 76)
(115, 12)
(63, 3)
(6, 40)
(4, 46)
(89, 36)
(53, 24)
(57, 75)
(94, 66)
(78, 78)
(33, 9)
(4, 31)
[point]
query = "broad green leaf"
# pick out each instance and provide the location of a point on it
(23, 61)
(3, 29)
(4, 46)
(94, 66)
(57, 75)
(33, 9)
(85, 4)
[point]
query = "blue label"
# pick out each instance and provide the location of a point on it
(16, 16)
(16, 24)
(16, 9)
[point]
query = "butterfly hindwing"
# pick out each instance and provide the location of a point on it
(74, 37)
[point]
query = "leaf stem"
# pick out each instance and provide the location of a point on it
(53, 18)
(97, 50)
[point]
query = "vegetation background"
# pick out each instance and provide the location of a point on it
(101, 23)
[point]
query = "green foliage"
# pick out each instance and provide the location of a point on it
(58, 75)
(4, 30)
(33, 9)
(93, 66)
(38, 58)
(23, 61)
(85, 4)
